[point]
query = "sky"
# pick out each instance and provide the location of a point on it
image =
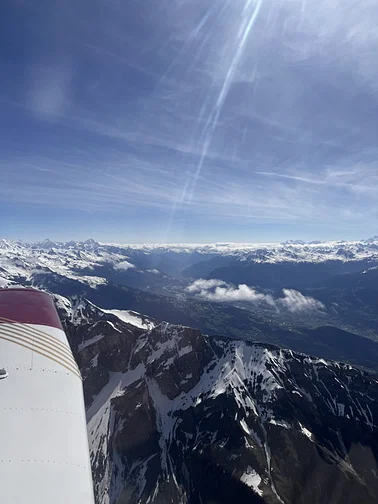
(188, 120)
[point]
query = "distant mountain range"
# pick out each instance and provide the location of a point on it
(296, 250)
(265, 265)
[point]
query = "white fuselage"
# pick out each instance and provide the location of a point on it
(44, 456)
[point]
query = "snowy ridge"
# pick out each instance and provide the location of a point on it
(79, 310)
(132, 317)
(71, 259)
(292, 250)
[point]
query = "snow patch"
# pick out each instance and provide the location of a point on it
(252, 479)
(90, 341)
(185, 350)
(280, 423)
(3, 282)
(113, 326)
(132, 318)
(306, 432)
(114, 388)
(245, 427)
(92, 281)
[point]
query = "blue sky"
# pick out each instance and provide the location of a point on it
(188, 120)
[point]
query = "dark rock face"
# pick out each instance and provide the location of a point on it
(175, 416)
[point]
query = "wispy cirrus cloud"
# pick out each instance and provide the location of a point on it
(243, 112)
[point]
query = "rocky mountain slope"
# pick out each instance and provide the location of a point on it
(176, 416)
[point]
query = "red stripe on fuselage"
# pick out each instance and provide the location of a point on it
(28, 306)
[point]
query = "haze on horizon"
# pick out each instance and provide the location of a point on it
(188, 120)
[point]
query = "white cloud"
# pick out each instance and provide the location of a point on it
(294, 301)
(202, 285)
(220, 291)
(240, 293)
(124, 265)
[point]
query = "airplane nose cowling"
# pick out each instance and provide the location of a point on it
(28, 306)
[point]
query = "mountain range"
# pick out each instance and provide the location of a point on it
(215, 373)
(337, 291)
(169, 268)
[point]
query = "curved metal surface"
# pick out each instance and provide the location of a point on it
(44, 456)
(28, 306)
